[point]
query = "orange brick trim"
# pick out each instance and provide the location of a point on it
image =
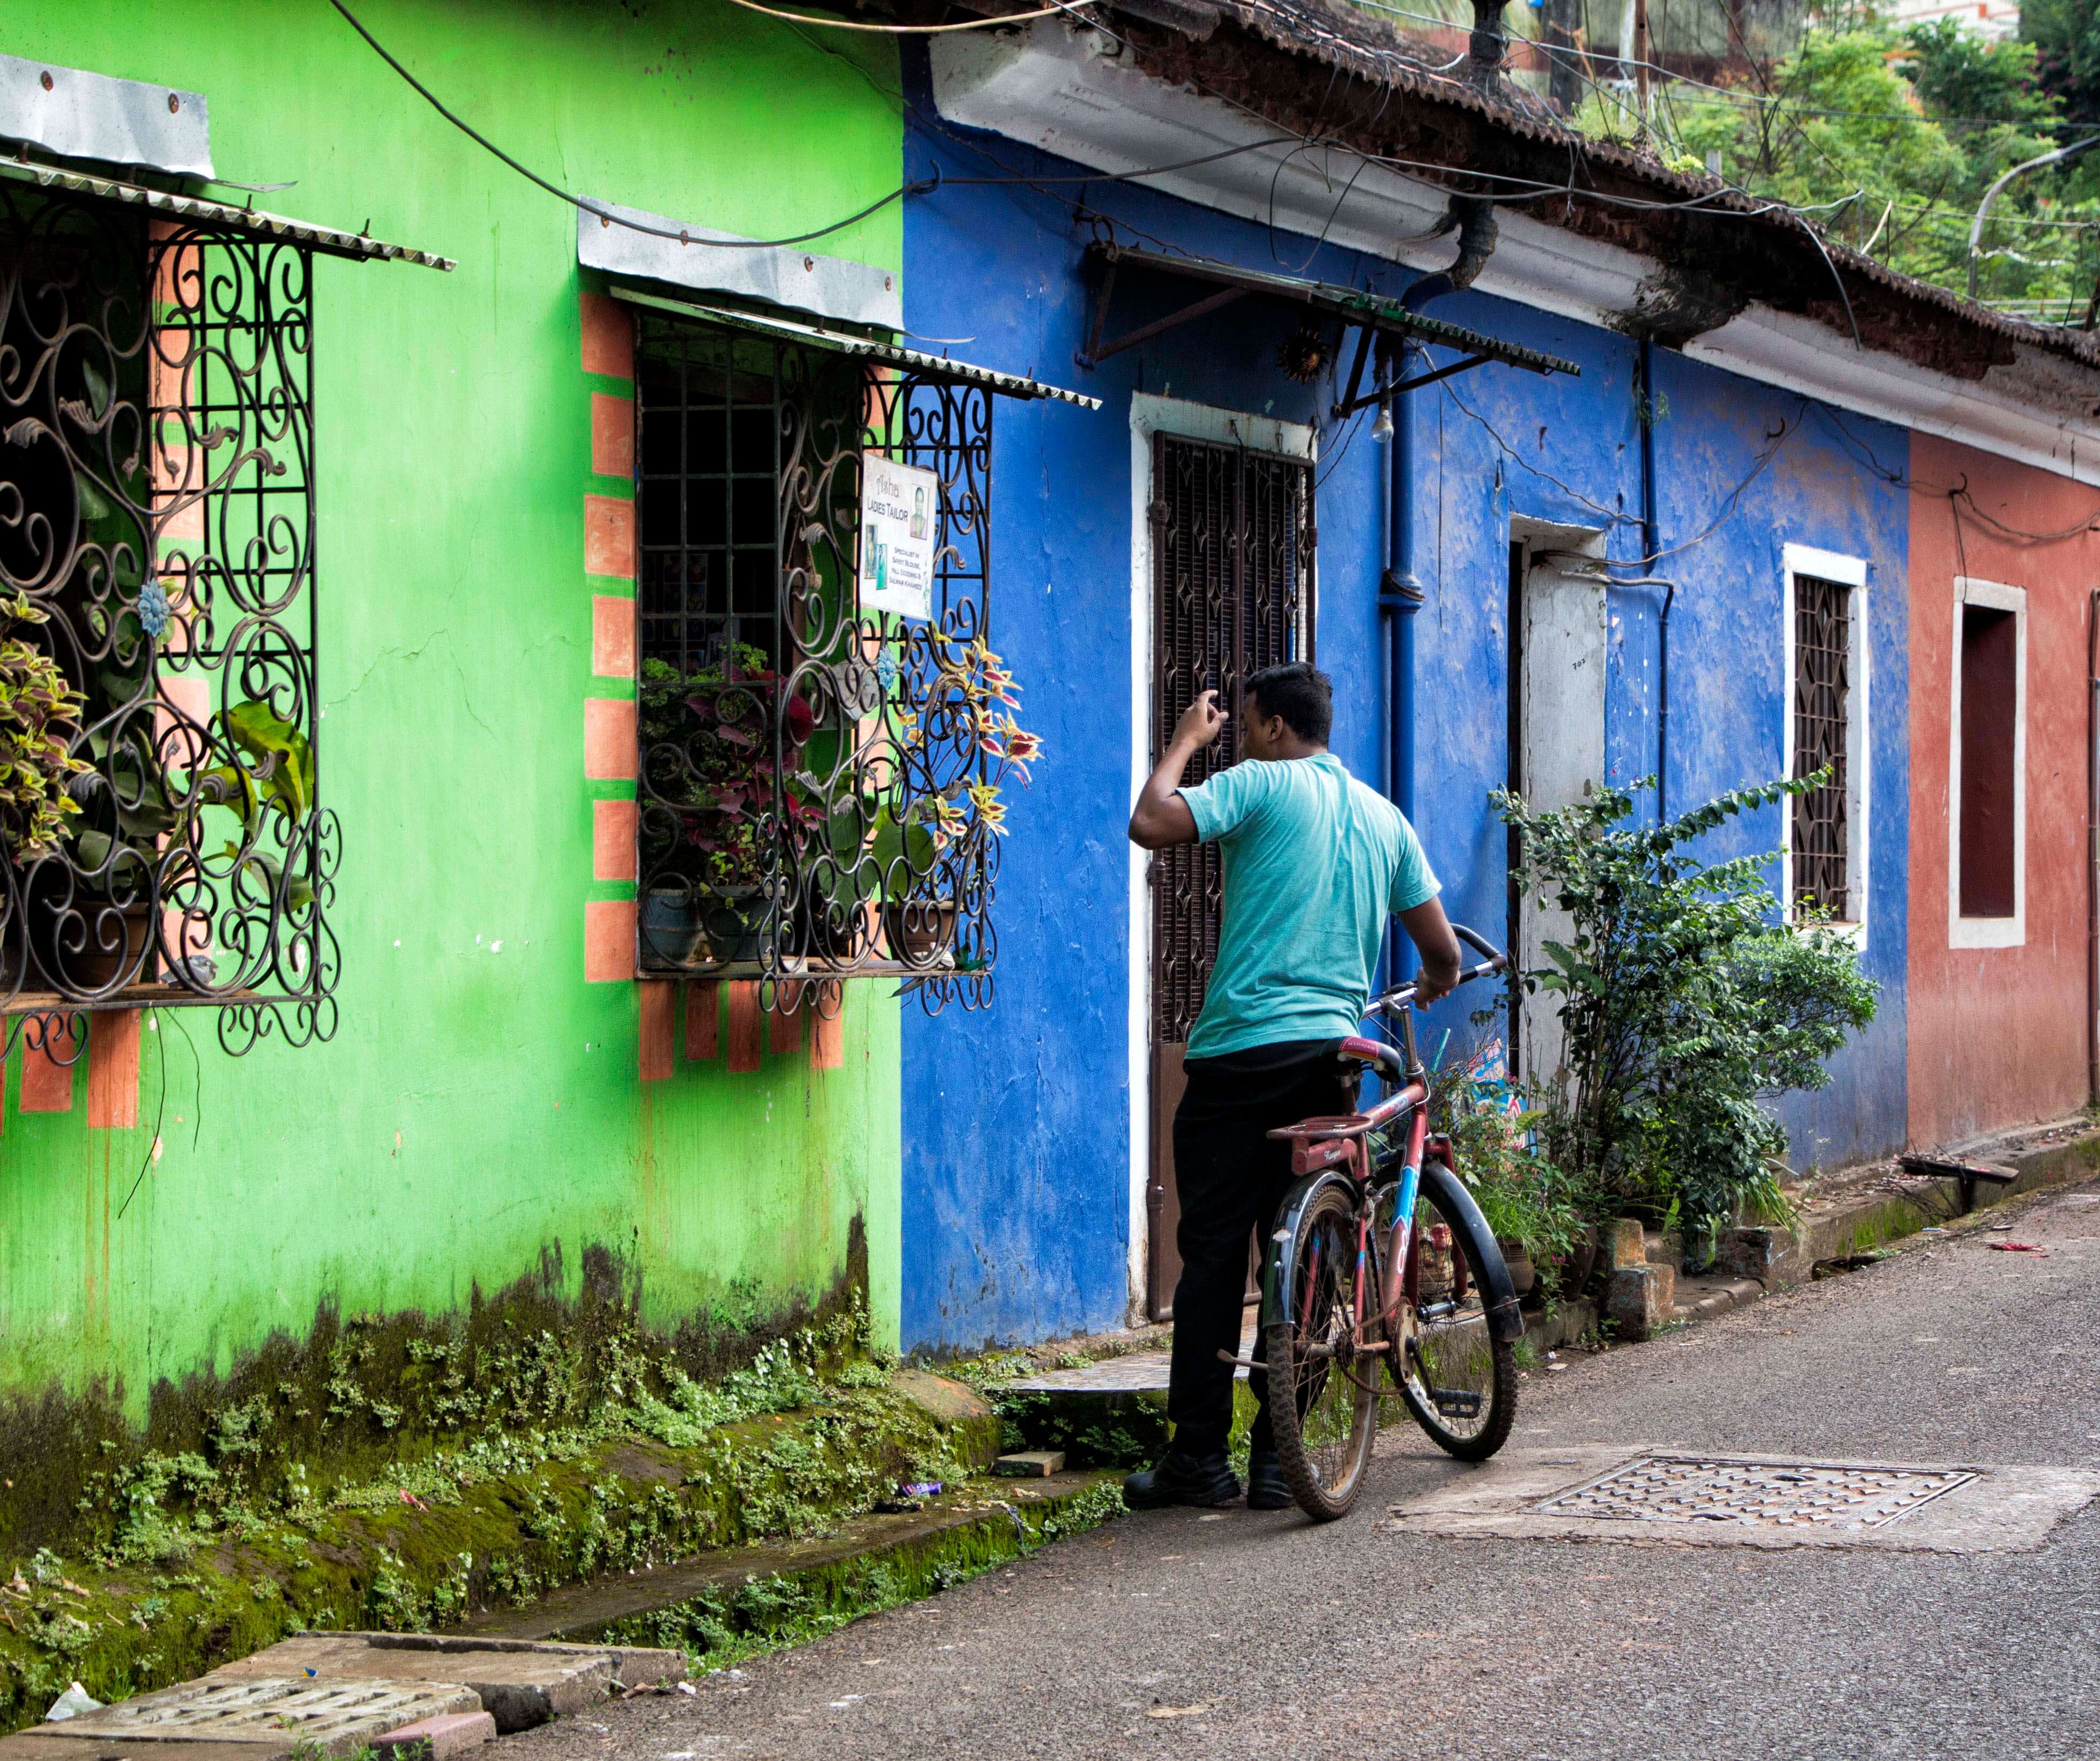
(612, 435)
(612, 839)
(827, 1036)
(609, 536)
(113, 1070)
(703, 1021)
(745, 1031)
(47, 1083)
(783, 1027)
(609, 750)
(658, 1000)
(608, 336)
(612, 636)
(608, 940)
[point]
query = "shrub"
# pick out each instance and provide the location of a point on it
(1686, 1004)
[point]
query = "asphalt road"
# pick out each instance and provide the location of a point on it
(1261, 1634)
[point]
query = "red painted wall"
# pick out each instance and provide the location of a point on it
(1998, 1035)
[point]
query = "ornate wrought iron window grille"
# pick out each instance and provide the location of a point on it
(1233, 545)
(1822, 708)
(156, 546)
(814, 784)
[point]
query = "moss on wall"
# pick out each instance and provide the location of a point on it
(178, 1568)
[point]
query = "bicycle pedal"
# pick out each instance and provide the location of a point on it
(1456, 1403)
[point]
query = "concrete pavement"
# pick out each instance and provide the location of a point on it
(1181, 1633)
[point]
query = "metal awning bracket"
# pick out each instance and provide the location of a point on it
(1355, 403)
(1369, 313)
(1096, 351)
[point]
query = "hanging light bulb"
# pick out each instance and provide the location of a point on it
(1382, 429)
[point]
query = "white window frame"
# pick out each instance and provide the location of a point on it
(1151, 414)
(1988, 931)
(1850, 571)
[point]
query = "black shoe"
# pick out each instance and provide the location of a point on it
(1182, 1479)
(1266, 1490)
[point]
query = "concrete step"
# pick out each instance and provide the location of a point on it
(1007, 1513)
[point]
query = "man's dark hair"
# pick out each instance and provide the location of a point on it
(1301, 693)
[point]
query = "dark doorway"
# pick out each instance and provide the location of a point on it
(1233, 540)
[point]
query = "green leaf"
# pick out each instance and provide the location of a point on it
(259, 731)
(297, 896)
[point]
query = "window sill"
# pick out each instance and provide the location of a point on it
(793, 971)
(135, 997)
(1987, 933)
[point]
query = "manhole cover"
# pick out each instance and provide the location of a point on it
(244, 1710)
(1685, 1489)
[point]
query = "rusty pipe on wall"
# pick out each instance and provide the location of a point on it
(2093, 849)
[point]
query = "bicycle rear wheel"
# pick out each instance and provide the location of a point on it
(1457, 1379)
(1322, 1384)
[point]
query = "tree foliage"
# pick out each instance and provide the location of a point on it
(1889, 138)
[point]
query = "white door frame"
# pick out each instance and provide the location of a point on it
(1579, 546)
(1150, 414)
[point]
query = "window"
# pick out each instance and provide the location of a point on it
(1825, 864)
(1822, 737)
(158, 558)
(1987, 879)
(818, 774)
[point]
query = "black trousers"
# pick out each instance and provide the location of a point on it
(1231, 1177)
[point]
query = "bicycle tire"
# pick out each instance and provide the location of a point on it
(1323, 1395)
(1479, 1364)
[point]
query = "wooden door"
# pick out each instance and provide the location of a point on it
(1233, 544)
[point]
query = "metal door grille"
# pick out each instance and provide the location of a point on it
(1232, 547)
(1822, 708)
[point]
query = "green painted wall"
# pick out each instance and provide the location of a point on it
(479, 1101)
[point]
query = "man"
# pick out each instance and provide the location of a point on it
(1313, 863)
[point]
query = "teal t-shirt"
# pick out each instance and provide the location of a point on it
(1314, 862)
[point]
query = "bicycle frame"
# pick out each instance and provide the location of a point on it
(1343, 1142)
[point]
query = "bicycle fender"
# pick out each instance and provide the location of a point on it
(1505, 1318)
(1277, 1279)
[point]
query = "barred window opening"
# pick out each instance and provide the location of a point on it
(819, 780)
(1822, 687)
(163, 840)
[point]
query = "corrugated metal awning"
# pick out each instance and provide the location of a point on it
(1007, 384)
(328, 239)
(1352, 305)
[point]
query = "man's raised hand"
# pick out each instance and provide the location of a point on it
(1202, 722)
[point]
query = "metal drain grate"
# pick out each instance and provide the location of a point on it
(240, 1711)
(1690, 1489)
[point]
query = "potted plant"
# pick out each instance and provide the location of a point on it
(711, 888)
(39, 718)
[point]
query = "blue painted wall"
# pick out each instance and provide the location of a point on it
(1017, 1152)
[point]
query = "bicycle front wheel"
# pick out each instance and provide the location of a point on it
(1458, 1379)
(1323, 1360)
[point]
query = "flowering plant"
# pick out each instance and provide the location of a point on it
(969, 708)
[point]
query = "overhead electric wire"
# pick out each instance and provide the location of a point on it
(682, 234)
(895, 30)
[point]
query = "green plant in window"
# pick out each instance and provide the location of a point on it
(39, 714)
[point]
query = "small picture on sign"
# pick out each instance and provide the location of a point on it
(896, 507)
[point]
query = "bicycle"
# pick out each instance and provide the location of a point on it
(1350, 1281)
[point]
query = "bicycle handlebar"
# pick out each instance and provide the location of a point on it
(1496, 961)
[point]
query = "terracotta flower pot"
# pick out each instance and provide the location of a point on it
(920, 931)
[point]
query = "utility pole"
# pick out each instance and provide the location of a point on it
(1640, 65)
(1558, 20)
